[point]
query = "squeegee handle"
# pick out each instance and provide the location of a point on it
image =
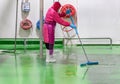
(73, 23)
(79, 38)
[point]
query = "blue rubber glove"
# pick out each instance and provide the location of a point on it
(72, 26)
(68, 11)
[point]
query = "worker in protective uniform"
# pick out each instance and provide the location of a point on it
(52, 17)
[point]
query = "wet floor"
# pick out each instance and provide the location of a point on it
(28, 68)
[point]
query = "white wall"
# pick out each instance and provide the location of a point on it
(7, 18)
(96, 18)
(99, 18)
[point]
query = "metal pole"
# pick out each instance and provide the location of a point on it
(41, 26)
(16, 24)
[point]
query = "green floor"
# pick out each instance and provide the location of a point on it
(26, 67)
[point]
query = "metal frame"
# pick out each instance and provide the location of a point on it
(41, 18)
(41, 26)
(16, 25)
(110, 39)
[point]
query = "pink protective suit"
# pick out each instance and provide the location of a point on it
(52, 17)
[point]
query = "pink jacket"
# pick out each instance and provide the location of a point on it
(52, 17)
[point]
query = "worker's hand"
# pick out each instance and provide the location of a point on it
(73, 26)
(68, 11)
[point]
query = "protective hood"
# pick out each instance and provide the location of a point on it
(56, 6)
